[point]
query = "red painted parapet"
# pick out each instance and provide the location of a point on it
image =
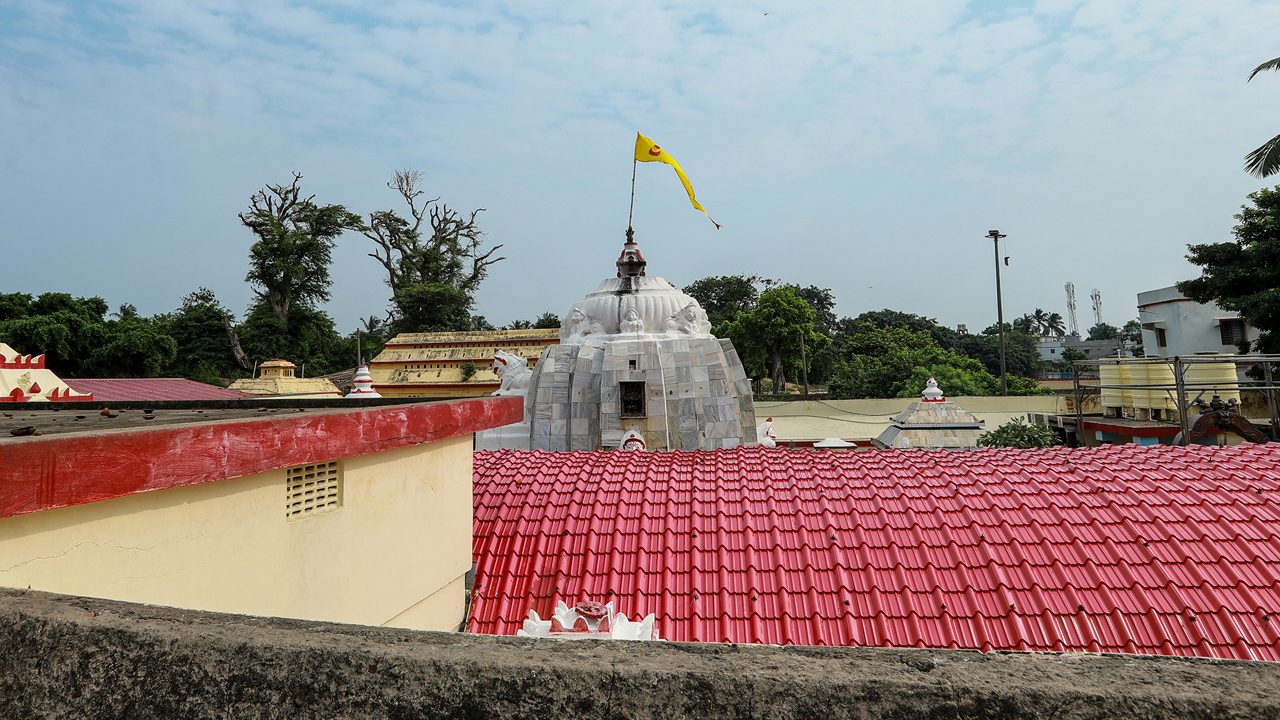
(41, 473)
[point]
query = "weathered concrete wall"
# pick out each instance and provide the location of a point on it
(76, 657)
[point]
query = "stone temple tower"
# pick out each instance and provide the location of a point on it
(638, 355)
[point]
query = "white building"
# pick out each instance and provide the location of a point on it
(1052, 348)
(1173, 324)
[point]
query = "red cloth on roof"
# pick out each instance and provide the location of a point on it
(1159, 550)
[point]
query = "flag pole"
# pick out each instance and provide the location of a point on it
(632, 209)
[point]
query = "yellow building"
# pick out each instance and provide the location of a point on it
(436, 364)
(279, 377)
(359, 515)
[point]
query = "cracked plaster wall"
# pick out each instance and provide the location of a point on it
(394, 553)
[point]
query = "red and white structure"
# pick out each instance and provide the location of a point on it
(362, 385)
(24, 378)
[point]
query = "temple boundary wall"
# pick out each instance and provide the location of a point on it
(63, 656)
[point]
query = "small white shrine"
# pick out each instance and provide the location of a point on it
(589, 620)
(362, 385)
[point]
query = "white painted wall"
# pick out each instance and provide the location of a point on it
(1190, 327)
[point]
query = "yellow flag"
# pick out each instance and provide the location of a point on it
(649, 151)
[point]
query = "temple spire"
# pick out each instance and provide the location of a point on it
(631, 262)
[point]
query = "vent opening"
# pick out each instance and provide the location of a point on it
(312, 489)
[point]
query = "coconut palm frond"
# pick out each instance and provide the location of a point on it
(1273, 64)
(1264, 161)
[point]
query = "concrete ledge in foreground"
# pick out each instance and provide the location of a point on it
(80, 657)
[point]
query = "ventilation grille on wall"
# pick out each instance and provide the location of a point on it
(313, 489)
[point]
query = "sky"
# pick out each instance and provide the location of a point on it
(866, 147)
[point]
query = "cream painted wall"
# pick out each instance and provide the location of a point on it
(394, 553)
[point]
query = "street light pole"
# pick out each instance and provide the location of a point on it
(995, 236)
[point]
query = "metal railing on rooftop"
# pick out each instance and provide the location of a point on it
(1184, 387)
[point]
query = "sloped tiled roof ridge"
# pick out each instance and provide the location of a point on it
(1159, 550)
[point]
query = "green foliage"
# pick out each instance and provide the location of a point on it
(289, 262)
(1020, 353)
(724, 296)
(1132, 335)
(1071, 355)
(768, 337)
(519, 325)
(435, 259)
(198, 327)
(1244, 274)
(469, 370)
(1018, 433)
(1103, 331)
(1265, 160)
(945, 337)
(547, 321)
(881, 362)
(66, 329)
(432, 307)
(133, 347)
(308, 339)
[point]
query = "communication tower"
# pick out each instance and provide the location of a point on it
(1074, 328)
(1096, 296)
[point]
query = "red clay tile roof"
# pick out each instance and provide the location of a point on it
(108, 389)
(1162, 550)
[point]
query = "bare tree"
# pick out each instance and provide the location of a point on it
(435, 259)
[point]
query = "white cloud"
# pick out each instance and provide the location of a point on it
(844, 145)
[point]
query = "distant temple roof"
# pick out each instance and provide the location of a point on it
(1160, 550)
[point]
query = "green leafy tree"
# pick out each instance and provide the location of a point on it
(882, 362)
(724, 296)
(66, 329)
(944, 336)
(1103, 331)
(133, 347)
(1132, 335)
(547, 321)
(1018, 433)
(309, 339)
(1020, 353)
(519, 325)
(289, 262)
(1244, 274)
(1265, 160)
(480, 322)
(435, 259)
(204, 350)
(772, 331)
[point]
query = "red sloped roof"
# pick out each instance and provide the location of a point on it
(108, 389)
(1162, 550)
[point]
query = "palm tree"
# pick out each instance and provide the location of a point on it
(1265, 160)
(1024, 324)
(1054, 325)
(1039, 318)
